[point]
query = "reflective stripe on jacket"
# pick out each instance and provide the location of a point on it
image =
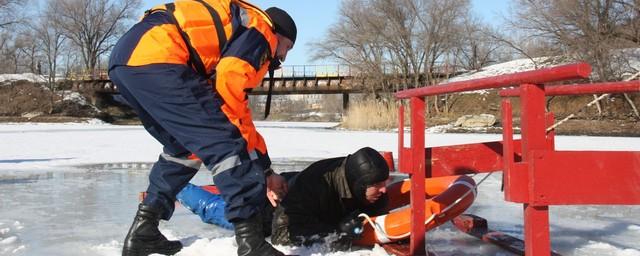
(232, 40)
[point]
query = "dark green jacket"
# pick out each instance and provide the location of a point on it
(318, 199)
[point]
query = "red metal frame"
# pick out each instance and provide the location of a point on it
(535, 174)
(541, 76)
(597, 88)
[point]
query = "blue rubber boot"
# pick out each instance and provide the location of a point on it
(209, 206)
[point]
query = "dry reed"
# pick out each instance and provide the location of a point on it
(371, 115)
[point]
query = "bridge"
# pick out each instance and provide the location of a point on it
(289, 80)
(311, 79)
(293, 79)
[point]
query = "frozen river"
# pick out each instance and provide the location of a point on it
(64, 190)
(87, 211)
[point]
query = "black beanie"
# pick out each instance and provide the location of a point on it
(283, 23)
(364, 168)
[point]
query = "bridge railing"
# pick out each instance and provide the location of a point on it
(337, 70)
(294, 71)
(312, 71)
(302, 71)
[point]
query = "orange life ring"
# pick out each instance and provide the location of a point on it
(446, 198)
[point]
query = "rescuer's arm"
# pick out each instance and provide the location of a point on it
(241, 68)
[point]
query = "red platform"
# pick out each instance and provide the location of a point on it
(535, 174)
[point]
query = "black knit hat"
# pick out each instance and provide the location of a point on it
(283, 23)
(364, 168)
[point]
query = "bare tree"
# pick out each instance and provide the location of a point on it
(476, 46)
(5, 41)
(30, 50)
(12, 56)
(351, 41)
(10, 12)
(93, 25)
(71, 61)
(584, 29)
(440, 23)
(49, 36)
(592, 30)
(517, 45)
(397, 24)
(390, 40)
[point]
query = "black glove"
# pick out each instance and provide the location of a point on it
(343, 243)
(351, 225)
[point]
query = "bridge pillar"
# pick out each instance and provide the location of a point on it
(345, 101)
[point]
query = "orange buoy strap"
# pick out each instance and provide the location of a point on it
(378, 224)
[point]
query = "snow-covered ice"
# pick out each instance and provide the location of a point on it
(71, 189)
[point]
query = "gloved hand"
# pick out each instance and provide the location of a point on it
(352, 225)
(277, 187)
(343, 243)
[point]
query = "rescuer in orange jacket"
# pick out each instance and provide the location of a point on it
(185, 69)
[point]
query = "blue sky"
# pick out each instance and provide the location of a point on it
(313, 19)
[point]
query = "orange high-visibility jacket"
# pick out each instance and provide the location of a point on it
(232, 39)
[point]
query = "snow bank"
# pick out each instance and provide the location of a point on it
(30, 77)
(627, 63)
(77, 98)
(6, 79)
(508, 67)
(74, 97)
(600, 248)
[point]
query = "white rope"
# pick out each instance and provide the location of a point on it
(380, 230)
(588, 105)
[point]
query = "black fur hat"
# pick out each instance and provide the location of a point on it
(364, 168)
(283, 23)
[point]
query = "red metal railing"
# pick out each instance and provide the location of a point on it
(535, 173)
(541, 76)
(573, 89)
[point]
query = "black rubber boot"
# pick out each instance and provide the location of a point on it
(250, 238)
(144, 238)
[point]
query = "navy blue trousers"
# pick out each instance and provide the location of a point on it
(181, 110)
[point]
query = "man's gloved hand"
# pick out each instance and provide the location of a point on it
(343, 243)
(352, 225)
(277, 187)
